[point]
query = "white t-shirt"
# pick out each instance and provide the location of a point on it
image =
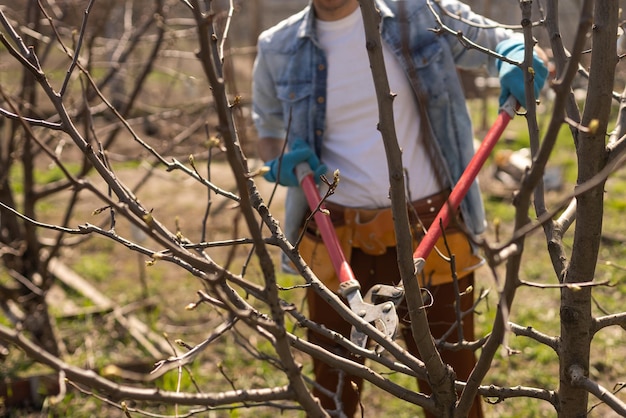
(352, 142)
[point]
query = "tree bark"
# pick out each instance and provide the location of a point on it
(576, 317)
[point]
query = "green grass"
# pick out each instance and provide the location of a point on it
(98, 266)
(40, 176)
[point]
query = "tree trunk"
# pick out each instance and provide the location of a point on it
(576, 318)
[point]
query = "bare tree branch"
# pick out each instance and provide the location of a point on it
(579, 379)
(117, 391)
(552, 342)
(602, 322)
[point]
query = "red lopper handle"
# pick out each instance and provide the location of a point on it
(341, 265)
(465, 181)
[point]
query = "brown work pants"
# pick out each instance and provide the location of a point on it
(371, 270)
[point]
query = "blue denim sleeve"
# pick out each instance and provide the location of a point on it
(267, 111)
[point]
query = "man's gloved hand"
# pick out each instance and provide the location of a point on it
(511, 76)
(300, 152)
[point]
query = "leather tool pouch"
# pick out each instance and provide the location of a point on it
(373, 230)
(438, 271)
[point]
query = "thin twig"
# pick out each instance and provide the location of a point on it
(79, 44)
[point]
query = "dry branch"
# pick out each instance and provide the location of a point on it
(120, 392)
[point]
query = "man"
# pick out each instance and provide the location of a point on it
(313, 87)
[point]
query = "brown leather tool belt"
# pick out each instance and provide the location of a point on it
(372, 229)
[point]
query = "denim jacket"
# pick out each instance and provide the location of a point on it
(289, 84)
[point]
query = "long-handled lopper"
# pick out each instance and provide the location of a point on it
(382, 316)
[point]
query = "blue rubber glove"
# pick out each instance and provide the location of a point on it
(511, 76)
(300, 152)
